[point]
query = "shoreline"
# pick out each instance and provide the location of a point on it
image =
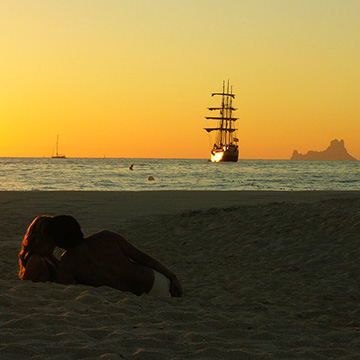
(104, 209)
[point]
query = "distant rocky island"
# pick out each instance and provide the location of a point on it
(336, 151)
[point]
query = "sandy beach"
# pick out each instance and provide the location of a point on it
(266, 275)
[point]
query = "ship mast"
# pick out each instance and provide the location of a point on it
(57, 145)
(225, 131)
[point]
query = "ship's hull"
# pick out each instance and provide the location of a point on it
(228, 154)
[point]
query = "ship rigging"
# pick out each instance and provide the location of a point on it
(225, 147)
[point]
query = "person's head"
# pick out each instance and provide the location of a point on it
(65, 231)
(35, 241)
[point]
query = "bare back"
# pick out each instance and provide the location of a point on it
(104, 259)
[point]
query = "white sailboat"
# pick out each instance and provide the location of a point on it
(57, 155)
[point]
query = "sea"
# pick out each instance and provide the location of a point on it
(114, 174)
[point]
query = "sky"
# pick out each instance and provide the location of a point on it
(134, 78)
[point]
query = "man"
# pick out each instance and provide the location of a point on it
(107, 259)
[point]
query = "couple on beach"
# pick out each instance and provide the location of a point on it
(105, 258)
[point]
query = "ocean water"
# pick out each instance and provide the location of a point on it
(46, 174)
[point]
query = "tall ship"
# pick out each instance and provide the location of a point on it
(225, 147)
(57, 155)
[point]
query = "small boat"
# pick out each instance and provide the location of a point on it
(225, 147)
(57, 155)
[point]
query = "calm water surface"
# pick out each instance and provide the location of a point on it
(47, 174)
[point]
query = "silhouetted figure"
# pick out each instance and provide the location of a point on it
(106, 258)
(131, 167)
(36, 259)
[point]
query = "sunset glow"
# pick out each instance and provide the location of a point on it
(216, 156)
(134, 78)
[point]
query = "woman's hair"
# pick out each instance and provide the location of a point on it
(34, 239)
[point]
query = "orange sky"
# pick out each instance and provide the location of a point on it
(134, 78)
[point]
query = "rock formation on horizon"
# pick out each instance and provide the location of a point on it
(336, 151)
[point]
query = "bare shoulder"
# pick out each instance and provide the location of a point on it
(104, 239)
(101, 235)
(36, 270)
(35, 260)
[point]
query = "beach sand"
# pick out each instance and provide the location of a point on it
(266, 275)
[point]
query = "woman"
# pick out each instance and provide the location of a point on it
(36, 259)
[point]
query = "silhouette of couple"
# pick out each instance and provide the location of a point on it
(105, 258)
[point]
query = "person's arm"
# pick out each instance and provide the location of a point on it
(175, 288)
(66, 274)
(141, 257)
(36, 270)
